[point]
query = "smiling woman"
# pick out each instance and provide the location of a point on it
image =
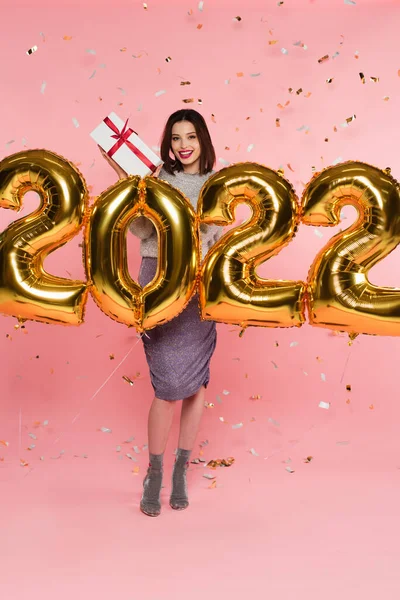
(187, 138)
(179, 352)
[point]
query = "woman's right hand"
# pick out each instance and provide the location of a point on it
(119, 171)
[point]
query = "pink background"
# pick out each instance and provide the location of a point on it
(70, 522)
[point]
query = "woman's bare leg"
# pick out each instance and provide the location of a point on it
(159, 424)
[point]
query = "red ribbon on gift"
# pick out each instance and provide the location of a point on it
(122, 138)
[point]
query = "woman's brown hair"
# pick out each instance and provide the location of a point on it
(207, 156)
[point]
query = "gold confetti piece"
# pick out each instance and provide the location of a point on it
(326, 140)
(356, 54)
(308, 459)
(237, 19)
(4, 443)
(67, 38)
(386, 98)
(272, 42)
(280, 2)
(324, 58)
(23, 463)
(185, 83)
(307, 95)
(240, 74)
(290, 168)
(299, 91)
(124, 49)
(255, 397)
(329, 80)
(226, 148)
(213, 485)
(168, 59)
(277, 123)
(362, 77)
(213, 118)
(187, 100)
(136, 470)
(199, 26)
(348, 401)
(371, 407)
(221, 462)
(31, 50)
(335, 129)
(319, 359)
(125, 378)
(111, 356)
(348, 387)
(289, 470)
(145, 5)
(8, 337)
(374, 79)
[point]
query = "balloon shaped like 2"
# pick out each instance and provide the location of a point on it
(340, 295)
(27, 291)
(113, 289)
(230, 289)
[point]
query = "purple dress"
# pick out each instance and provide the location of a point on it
(178, 352)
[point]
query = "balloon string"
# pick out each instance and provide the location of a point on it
(345, 364)
(20, 433)
(103, 384)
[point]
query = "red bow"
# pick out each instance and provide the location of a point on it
(122, 138)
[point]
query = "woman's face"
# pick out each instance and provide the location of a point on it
(186, 146)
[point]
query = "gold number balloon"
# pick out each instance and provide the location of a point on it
(230, 290)
(113, 289)
(27, 291)
(341, 297)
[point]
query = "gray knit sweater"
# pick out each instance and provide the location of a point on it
(190, 185)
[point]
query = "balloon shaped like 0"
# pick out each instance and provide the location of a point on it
(113, 289)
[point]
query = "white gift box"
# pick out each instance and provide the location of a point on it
(125, 147)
